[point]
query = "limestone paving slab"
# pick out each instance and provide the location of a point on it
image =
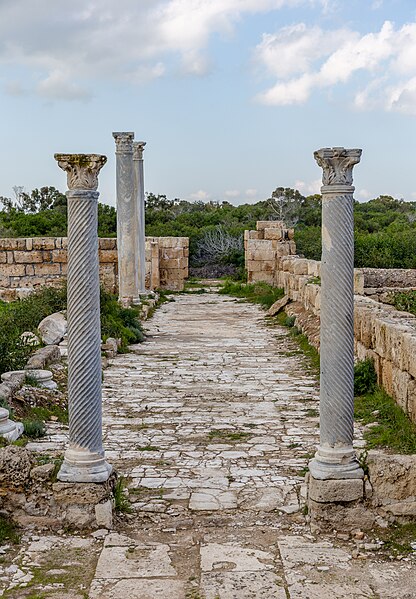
(212, 421)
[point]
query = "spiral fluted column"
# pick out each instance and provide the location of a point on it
(127, 220)
(335, 458)
(84, 459)
(138, 148)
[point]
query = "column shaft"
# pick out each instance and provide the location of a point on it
(335, 457)
(138, 148)
(127, 220)
(84, 459)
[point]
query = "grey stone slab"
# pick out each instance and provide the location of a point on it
(242, 585)
(135, 561)
(233, 557)
(137, 589)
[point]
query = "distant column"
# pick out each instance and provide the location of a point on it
(335, 458)
(84, 459)
(127, 220)
(138, 148)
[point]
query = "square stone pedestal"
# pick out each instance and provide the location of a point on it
(338, 504)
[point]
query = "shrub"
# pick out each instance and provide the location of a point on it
(365, 377)
(34, 428)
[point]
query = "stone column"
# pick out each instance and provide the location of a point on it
(84, 459)
(127, 220)
(335, 458)
(138, 148)
(154, 267)
(9, 429)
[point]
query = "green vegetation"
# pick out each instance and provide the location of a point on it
(384, 227)
(228, 435)
(365, 377)
(118, 322)
(258, 293)
(121, 501)
(399, 538)
(305, 347)
(8, 531)
(25, 315)
(34, 429)
(393, 428)
(405, 301)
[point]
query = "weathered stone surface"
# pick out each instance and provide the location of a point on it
(43, 472)
(15, 466)
(277, 306)
(53, 328)
(104, 514)
(43, 357)
(80, 493)
(392, 476)
(325, 491)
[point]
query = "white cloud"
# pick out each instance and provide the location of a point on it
(307, 59)
(364, 194)
(68, 47)
(308, 188)
(200, 196)
(232, 193)
(251, 193)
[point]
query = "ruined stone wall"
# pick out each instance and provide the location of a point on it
(381, 332)
(33, 262)
(270, 240)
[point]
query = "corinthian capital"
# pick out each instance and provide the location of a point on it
(337, 164)
(124, 141)
(82, 169)
(138, 149)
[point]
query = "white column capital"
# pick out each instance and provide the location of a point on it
(124, 141)
(82, 169)
(337, 164)
(138, 149)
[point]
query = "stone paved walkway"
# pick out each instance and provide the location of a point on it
(212, 421)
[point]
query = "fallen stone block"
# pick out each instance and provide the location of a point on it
(53, 328)
(277, 306)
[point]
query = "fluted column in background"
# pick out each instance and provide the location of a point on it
(138, 148)
(127, 220)
(84, 459)
(335, 458)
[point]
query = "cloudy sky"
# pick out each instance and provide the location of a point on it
(232, 96)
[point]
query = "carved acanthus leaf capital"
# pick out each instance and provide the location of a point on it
(337, 164)
(124, 141)
(138, 149)
(82, 169)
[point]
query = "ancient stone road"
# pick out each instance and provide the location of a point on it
(211, 421)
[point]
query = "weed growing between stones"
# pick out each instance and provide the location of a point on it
(365, 377)
(400, 538)
(31, 380)
(257, 293)
(228, 435)
(8, 531)
(34, 429)
(310, 352)
(393, 428)
(121, 501)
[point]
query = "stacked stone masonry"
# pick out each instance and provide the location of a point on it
(381, 332)
(34, 262)
(270, 241)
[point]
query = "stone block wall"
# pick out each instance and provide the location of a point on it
(381, 332)
(27, 263)
(270, 240)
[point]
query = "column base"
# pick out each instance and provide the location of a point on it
(83, 466)
(9, 429)
(332, 463)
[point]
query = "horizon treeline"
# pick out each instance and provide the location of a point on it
(385, 227)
